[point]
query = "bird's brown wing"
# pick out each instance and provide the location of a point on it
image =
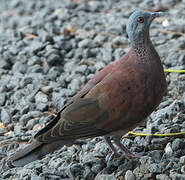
(78, 120)
(75, 103)
(82, 93)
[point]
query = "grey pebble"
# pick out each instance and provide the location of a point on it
(75, 84)
(35, 69)
(19, 67)
(41, 106)
(182, 160)
(162, 177)
(178, 144)
(26, 117)
(53, 59)
(47, 89)
(155, 168)
(129, 175)
(163, 140)
(120, 40)
(86, 43)
(34, 60)
(183, 169)
(156, 155)
(25, 81)
(5, 116)
(5, 65)
(105, 177)
(177, 176)
(2, 99)
(41, 97)
(81, 68)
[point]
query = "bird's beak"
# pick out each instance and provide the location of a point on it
(156, 14)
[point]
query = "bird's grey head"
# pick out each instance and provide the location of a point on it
(138, 26)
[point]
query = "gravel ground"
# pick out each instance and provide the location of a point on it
(49, 50)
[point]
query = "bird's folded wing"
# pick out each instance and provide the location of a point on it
(97, 78)
(81, 94)
(78, 120)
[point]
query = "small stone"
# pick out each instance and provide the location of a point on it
(86, 43)
(183, 169)
(92, 158)
(25, 110)
(99, 65)
(177, 176)
(77, 169)
(41, 106)
(35, 46)
(46, 89)
(2, 99)
(6, 174)
(53, 59)
(5, 116)
(115, 29)
(129, 175)
(19, 67)
(105, 177)
(17, 128)
(168, 150)
(178, 144)
(3, 130)
(154, 168)
(53, 73)
(120, 40)
(26, 117)
(149, 176)
(182, 160)
(146, 160)
(97, 168)
(41, 97)
(88, 174)
(31, 123)
(55, 162)
(162, 177)
(156, 155)
(5, 65)
(75, 84)
(81, 68)
(34, 60)
(99, 39)
(35, 69)
(35, 177)
(26, 80)
(160, 140)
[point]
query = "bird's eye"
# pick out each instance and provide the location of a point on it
(140, 20)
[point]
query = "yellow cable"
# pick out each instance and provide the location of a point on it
(174, 70)
(170, 134)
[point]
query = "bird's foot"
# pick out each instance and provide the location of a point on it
(125, 151)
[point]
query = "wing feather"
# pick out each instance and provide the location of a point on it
(83, 126)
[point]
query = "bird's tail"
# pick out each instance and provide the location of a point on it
(33, 152)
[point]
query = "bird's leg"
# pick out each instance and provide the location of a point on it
(127, 154)
(111, 146)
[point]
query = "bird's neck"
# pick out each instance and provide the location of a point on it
(140, 39)
(145, 53)
(141, 47)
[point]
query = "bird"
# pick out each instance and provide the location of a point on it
(116, 100)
